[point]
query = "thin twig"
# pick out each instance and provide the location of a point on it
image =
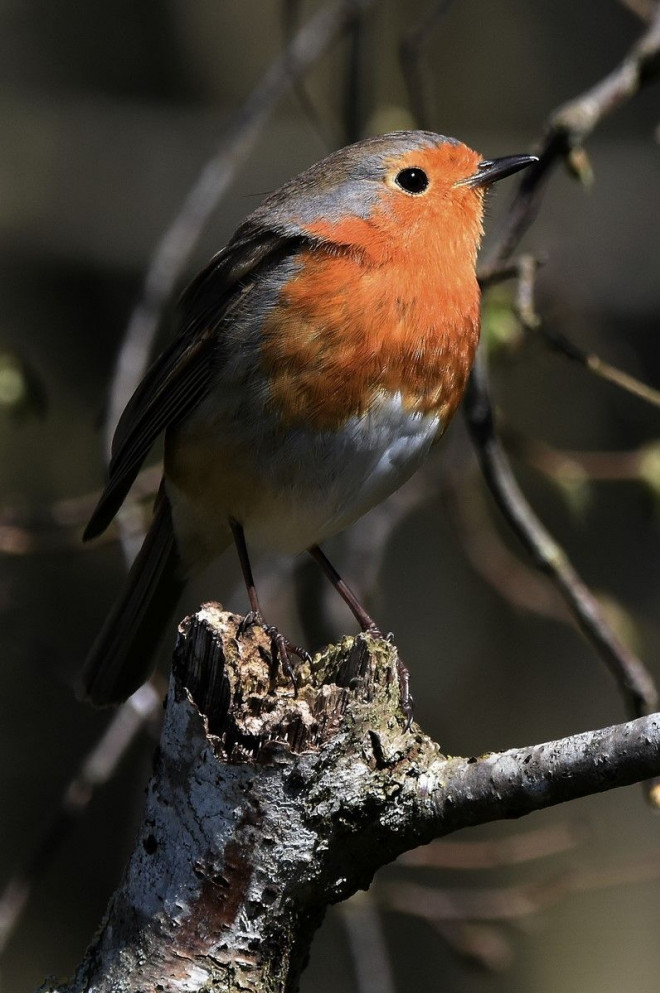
(97, 768)
(504, 572)
(508, 270)
(524, 304)
(470, 920)
(559, 465)
(23, 532)
(413, 64)
(524, 270)
(367, 943)
(514, 849)
(501, 903)
(486, 946)
(324, 126)
(631, 676)
(506, 903)
(567, 129)
(591, 361)
(354, 97)
(643, 8)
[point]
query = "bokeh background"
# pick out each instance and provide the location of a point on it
(109, 113)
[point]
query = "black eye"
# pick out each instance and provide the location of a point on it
(412, 180)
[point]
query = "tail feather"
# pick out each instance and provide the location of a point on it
(122, 656)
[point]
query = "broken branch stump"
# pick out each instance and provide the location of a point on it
(265, 807)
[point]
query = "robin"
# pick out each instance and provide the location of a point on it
(319, 357)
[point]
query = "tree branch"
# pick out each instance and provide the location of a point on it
(413, 68)
(266, 807)
(567, 129)
(632, 677)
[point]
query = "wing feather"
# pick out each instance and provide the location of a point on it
(181, 376)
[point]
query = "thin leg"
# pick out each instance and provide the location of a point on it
(367, 624)
(246, 568)
(281, 646)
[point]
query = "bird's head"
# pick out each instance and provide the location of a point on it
(404, 192)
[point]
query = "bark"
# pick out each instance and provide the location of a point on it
(266, 806)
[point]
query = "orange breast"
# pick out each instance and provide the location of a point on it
(352, 326)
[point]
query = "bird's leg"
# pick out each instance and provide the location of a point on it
(255, 615)
(280, 646)
(367, 624)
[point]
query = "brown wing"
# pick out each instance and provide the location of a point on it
(180, 377)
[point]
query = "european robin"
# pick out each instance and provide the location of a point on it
(319, 357)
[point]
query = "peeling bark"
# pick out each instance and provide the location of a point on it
(265, 807)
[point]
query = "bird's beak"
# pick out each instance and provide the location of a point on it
(490, 170)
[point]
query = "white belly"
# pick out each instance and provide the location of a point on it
(293, 489)
(316, 484)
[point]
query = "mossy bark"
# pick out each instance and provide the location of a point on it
(266, 805)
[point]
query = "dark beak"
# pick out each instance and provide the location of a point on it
(490, 170)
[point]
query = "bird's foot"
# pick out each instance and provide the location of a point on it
(252, 619)
(375, 632)
(407, 703)
(405, 696)
(280, 647)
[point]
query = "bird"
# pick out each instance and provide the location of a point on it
(317, 360)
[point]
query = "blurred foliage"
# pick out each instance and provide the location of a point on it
(500, 327)
(22, 392)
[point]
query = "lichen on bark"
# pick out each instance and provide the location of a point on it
(269, 803)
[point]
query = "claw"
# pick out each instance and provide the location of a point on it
(252, 618)
(408, 707)
(280, 647)
(407, 703)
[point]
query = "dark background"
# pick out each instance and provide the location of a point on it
(109, 112)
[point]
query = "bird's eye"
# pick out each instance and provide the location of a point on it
(412, 180)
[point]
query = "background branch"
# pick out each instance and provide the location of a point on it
(97, 768)
(413, 62)
(567, 129)
(632, 677)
